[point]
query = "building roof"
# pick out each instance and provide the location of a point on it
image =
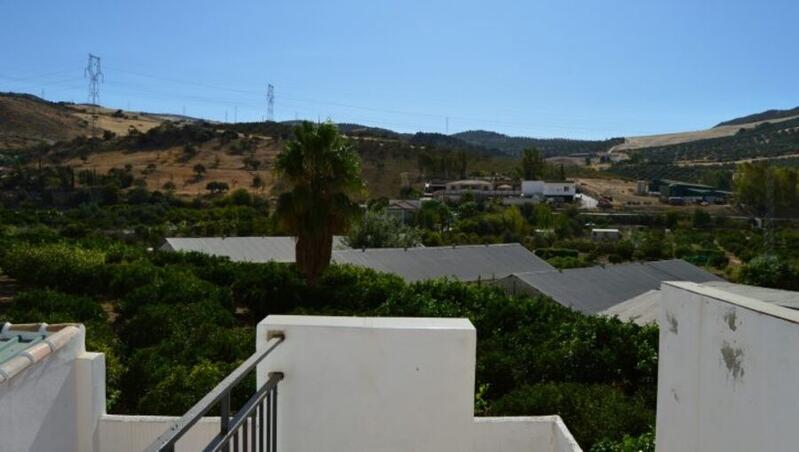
(644, 308)
(241, 249)
(465, 263)
(595, 289)
(404, 204)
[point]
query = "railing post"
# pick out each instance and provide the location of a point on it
(224, 418)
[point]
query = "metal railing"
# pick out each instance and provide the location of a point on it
(251, 428)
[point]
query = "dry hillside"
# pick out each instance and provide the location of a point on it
(27, 120)
(668, 139)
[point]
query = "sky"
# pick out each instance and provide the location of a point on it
(563, 68)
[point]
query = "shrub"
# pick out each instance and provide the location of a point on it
(174, 287)
(53, 307)
(593, 412)
(57, 266)
(643, 443)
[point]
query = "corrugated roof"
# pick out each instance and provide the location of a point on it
(465, 263)
(241, 249)
(594, 289)
(642, 309)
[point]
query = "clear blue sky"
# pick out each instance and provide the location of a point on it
(581, 69)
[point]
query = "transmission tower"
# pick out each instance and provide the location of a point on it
(94, 73)
(270, 102)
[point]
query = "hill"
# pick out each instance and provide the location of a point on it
(765, 139)
(27, 120)
(243, 155)
(768, 115)
(550, 147)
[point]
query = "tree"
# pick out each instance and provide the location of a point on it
(217, 187)
(701, 218)
(257, 181)
(532, 165)
(199, 170)
(752, 183)
(379, 230)
(323, 173)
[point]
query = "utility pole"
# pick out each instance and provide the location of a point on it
(235, 114)
(768, 222)
(270, 102)
(446, 125)
(94, 73)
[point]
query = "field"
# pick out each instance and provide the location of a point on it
(623, 196)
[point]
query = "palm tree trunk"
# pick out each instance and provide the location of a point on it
(313, 254)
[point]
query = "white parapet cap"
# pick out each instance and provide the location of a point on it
(397, 323)
(751, 303)
(28, 343)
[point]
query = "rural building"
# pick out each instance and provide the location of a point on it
(241, 249)
(464, 263)
(673, 191)
(559, 191)
(466, 185)
(594, 289)
(600, 235)
(479, 189)
(403, 210)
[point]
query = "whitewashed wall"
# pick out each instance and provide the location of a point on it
(728, 373)
(522, 434)
(372, 384)
(135, 433)
(52, 404)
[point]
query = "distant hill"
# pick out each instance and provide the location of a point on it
(769, 115)
(550, 147)
(27, 120)
(779, 138)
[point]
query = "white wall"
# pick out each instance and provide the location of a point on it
(135, 433)
(522, 434)
(728, 372)
(372, 384)
(37, 406)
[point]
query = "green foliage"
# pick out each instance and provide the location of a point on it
(379, 230)
(57, 266)
(770, 271)
(593, 412)
(760, 187)
(532, 165)
(643, 443)
(53, 307)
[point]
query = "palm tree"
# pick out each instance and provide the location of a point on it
(323, 172)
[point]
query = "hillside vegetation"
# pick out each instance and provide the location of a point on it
(768, 115)
(768, 139)
(548, 146)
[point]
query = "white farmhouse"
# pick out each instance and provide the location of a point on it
(561, 191)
